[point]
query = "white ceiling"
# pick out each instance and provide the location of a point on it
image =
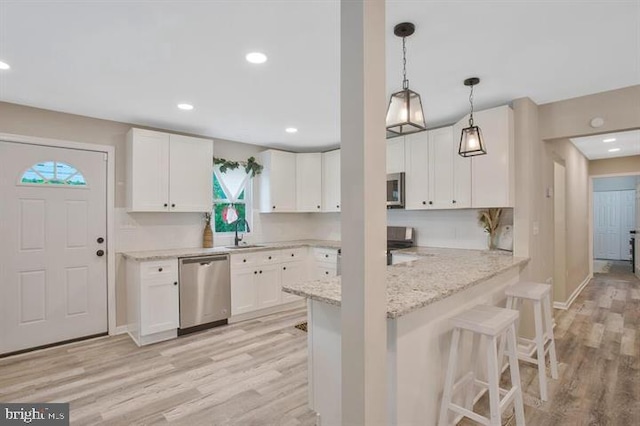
(594, 147)
(133, 61)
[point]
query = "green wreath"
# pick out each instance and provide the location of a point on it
(251, 166)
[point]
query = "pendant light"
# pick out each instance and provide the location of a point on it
(471, 142)
(404, 114)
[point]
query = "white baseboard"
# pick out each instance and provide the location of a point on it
(566, 305)
(121, 329)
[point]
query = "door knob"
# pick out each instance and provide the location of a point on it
(100, 253)
(100, 240)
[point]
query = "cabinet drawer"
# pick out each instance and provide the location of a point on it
(161, 269)
(241, 260)
(323, 272)
(268, 257)
(293, 255)
(326, 255)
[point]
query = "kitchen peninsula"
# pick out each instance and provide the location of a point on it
(422, 294)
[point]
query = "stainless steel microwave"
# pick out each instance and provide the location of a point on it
(395, 191)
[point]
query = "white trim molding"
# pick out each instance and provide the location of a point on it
(566, 305)
(110, 152)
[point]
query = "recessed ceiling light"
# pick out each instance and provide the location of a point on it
(609, 140)
(291, 130)
(256, 58)
(185, 107)
(4, 66)
(614, 150)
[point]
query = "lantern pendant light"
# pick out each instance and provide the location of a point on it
(404, 114)
(471, 142)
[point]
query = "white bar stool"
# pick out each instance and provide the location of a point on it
(493, 323)
(544, 343)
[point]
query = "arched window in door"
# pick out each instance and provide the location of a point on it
(53, 173)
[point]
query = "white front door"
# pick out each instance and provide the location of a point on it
(53, 279)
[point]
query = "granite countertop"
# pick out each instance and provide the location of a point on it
(437, 273)
(196, 251)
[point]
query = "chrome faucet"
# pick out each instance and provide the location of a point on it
(237, 222)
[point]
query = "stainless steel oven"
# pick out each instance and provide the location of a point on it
(395, 191)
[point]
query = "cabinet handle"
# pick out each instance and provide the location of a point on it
(244, 260)
(175, 283)
(260, 271)
(255, 272)
(454, 201)
(274, 207)
(292, 254)
(326, 272)
(269, 257)
(430, 202)
(326, 255)
(159, 269)
(166, 205)
(338, 206)
(284, 268)
(173, 205)
(318, 206)
(424, 202)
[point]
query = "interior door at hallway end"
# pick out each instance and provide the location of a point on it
(53, 257)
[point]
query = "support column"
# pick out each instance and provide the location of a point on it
(363, 177)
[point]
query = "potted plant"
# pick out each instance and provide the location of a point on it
(207, 235)
(490, 221)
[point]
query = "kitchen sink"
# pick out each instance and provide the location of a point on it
(244, 247)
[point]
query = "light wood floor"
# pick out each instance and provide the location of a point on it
(250, 373)
(254, 373)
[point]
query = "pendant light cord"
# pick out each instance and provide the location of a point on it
(405, 82)
(471, 103)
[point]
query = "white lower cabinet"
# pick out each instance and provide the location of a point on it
(292, 272)
(268, 285)
(153, 300)
(257, 278)
(244, 291)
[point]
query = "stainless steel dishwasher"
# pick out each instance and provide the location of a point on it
(205, 292)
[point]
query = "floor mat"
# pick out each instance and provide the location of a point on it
(302, 326)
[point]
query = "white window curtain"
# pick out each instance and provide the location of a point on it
(233, 182)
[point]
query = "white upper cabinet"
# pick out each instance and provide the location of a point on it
(309, 182)
(441, 168)
(168, 172)
(191, 174)
(331, 181)
(461, 172)
(417, 171)
(395, 155)
(492, 175)
(435, 178)
(278, 181)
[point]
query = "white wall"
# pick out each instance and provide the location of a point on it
(446, 228)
